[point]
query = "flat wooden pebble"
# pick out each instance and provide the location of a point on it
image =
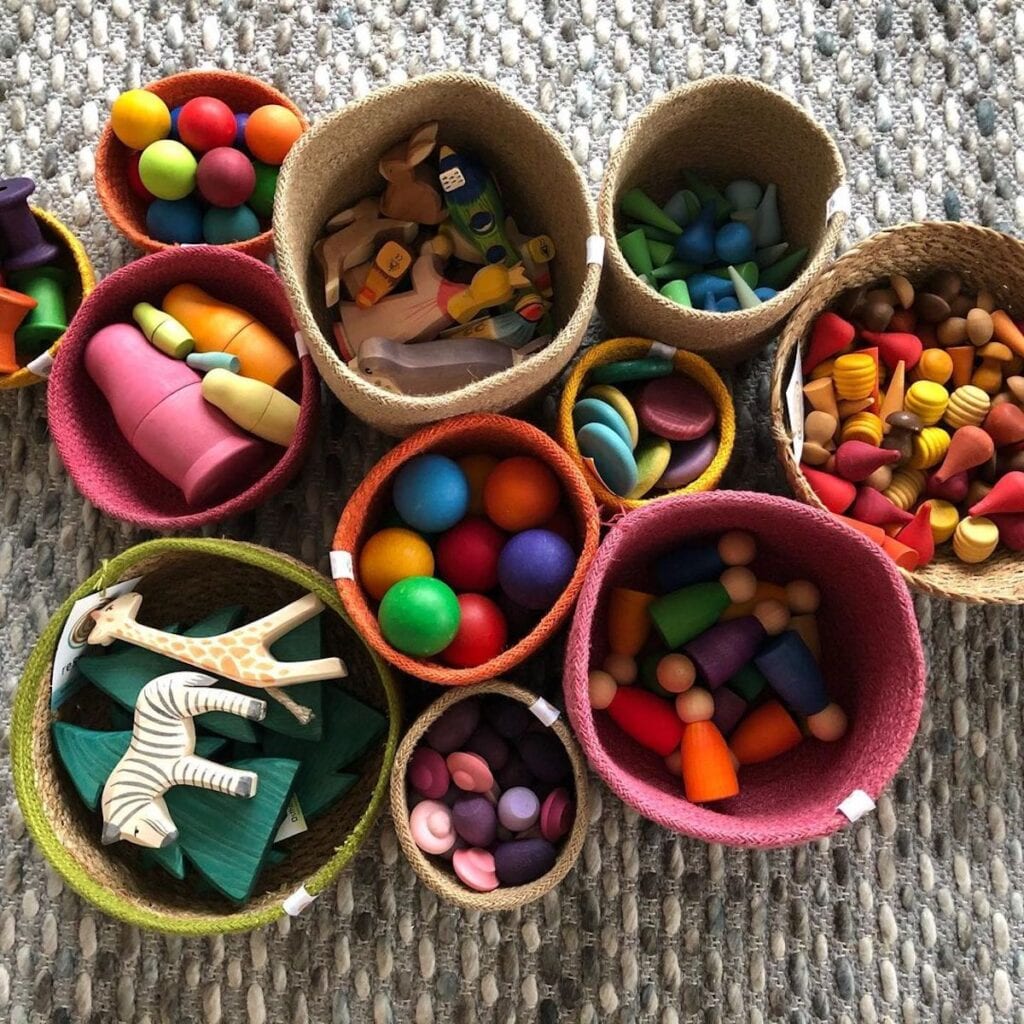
(612, 457)
(593, 410)
(470, 772)
(676, 408)
(428, 774)
(622, 405)
(518, 808)
(689, 460)
(523, 860)
(652, 459)
(632, 370)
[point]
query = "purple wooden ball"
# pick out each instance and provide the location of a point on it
(534, 568)
(523, 860)
(225, 177)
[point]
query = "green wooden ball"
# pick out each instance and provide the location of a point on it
(419, 616)
(262, 198)
(168, 169)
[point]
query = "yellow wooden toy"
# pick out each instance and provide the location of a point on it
(935, 364)
(863, 426)
(905, 488)
(944, 519)
(253, 405)
(975, 538)
(855, 375)
(389, 266)
(821, 395)
(927, 400)
(492, 285)
(989, 375)
(929, 448)
(967, 407)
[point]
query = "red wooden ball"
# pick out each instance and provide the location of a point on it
(466, 556)
(225, 177)
(135, 179)
(206, 123)
(482, 633)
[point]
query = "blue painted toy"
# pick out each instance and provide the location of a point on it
(734, 243)
(697, 242)
(240, 122)
(175, 220)
(534, 568)
(612, 457)
(702, 285)
(789, 666)
(593, 410)
(431, 493)
(475, 206)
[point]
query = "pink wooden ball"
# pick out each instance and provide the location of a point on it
(225, 177)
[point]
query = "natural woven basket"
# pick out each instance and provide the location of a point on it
(464, 435)
(75, 260)
(126, 210)
(686, 363)
(443, 880)
(184, 580)
(985, 259)
(724, 127)
(335, 164)
(872, 662)
(104, 466)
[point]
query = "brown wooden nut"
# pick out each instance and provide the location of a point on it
(904, 290)
(985, 300)
(849, 303)
(887, 295)
(931, 308)
(876, 315)
(814, 454)
(961, 305)
(979, 326)
(952, 331)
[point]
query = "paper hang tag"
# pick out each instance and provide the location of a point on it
(294, 821)
(341, 565)
(856, 805)
(300, 345)
(41, 365)
(299, 901)
(661, 350)
(544, 711)
(74, 640)
(795, 408)
(595, 250)
(838, 202)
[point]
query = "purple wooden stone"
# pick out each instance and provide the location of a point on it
(688, 460)
(730, 707)
(489, 745)
(545, 757)
(475, 820)
(788, 665)
(676, 408)
(518, 808)
(721, 651)
(523, 860)
(507, 717)
(454, 727)
(515, 773)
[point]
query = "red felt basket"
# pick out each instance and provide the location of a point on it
(871, 659)
(104, 466)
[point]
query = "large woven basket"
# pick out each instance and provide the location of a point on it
(464, 435)
(185, 580)
(872, 662)
(104, 466)
(724, 127)
(335, 164)
(443, 880)
(686, 363)
(985, 259)
(75, 260)
(126, 210)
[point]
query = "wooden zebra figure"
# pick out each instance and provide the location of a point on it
(162, 754)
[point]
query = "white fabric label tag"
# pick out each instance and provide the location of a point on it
(300, 344)
(341, 565)
(41, 365)
(661, 350)
(856, 805)
(795, 407)
(544, 711)
(299, 901)
(294, 821)
(838, 202)
(595, 250)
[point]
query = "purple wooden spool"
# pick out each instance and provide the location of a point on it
(790, 668)
(721, 651)
(25, 245)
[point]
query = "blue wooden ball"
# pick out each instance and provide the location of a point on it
(175, 114)
(431, 493)
(734, 243)
(232, 224)
(175, 220)
(535, 567)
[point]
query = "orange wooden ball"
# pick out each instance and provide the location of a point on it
(521, 493)
(477, 469)
(270, 132)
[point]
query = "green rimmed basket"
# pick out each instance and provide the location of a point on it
(183, 579)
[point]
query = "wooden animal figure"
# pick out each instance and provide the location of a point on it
(356, 233)
(436, 367)
(474, 204)
(493, 285)
(242, 654)
(514, 328)
(388, 268)
(416, 315)
(161, 754)
(536, 254)
(411, 192)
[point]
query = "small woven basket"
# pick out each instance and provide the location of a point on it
(985, 259)
(126, 210)
(724, 127)
(464, 435)
(75, 260)
(104, 466)
(687, 364)
(443, 880)
(184, 580)
(872, 662)
(335, 164)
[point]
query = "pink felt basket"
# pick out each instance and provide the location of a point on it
(872, 661)
(105, 468)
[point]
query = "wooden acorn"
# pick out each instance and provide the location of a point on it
(856, 461)
(707, 769)
(686, 613)
(968, 447)
(835, 493)
(766, 732)
(1004, 424)
(895, 347)
(1006, 496)
(875, 508)
(703, 562)
(830, 335)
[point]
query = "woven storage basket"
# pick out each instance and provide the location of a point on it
(464, 435)
(985, 259)
(104, 466)
(872, 662)
(183, 581)
(724, 127)
(126, 210)
(335, 164)
(686, 363)
(75, 260)
(443, 880)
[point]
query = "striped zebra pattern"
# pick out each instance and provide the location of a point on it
(161, 755)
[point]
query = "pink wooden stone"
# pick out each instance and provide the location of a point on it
(676, 408)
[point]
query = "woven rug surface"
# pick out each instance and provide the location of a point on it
(913, 914)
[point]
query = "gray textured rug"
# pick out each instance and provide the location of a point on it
(914, 914)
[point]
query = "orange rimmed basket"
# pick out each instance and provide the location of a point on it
(688, 363)
(126, 210)
(462, 435)
(74, 259)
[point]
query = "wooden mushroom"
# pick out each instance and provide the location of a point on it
(989, 375)
(903, 426)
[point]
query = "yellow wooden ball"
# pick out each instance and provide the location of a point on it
(139, 117)
(391, 555)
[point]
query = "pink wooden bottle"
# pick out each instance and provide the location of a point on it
(158, 404)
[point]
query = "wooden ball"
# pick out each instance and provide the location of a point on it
(803, 597)
(696, 705)
(602, 689)
(737, 547)
(676, 673)
(828, 725)
(621, 667)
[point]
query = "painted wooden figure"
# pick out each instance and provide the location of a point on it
(412, 192)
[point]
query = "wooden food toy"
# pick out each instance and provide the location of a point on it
(411, 192)
(163, 331)
(253, 405)
(388, 268)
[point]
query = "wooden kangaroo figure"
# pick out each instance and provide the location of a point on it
(162, 754)
(241, 655)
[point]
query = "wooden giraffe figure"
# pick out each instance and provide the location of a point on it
(241, 655)
(161, 754)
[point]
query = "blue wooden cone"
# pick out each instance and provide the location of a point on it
(792, 672)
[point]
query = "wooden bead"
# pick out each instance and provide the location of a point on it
(905, 488)
(974, 539)
(967, 407)
(929, 448)
(863, 426)
(676, 673)
(952, 332)
(803, 597)
(602, 688)
(707, 769)
(944, 519)
(936, 364)
(855, 375)
(621, 667)
(767, 731)
(979, 327)
(927, 400)
(696, 705)
(829, 724)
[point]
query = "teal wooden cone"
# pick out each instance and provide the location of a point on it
(639, 206)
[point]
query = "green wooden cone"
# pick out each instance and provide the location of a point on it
(706, 193)
(678, 293)
(634, 249)
(748, 271)
(748, 682)
(744, 293)
(661, 252)
(637, 205)
(686, 613)
(770, 255)
(674, 269)
(652, 234)
(781, 274)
